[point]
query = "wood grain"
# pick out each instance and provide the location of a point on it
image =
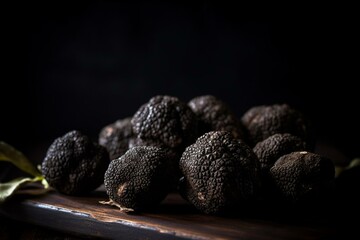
(173, 219)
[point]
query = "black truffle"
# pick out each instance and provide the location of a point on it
(74, 164)
(220, 173)
(140, 179)
(303, 176)
(215, 115)
(165, 121)
(264, 121)
(116, 137)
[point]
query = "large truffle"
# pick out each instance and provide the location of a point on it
(116, 137)
(74, 164)
(303, 176)
(167, 121)
(220, 173)
(140, 179)
(215, 115)
(264, 121)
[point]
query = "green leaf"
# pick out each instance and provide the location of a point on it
(7, 189)
(10, 154)
(354, 163)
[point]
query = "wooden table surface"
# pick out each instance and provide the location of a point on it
(173, 219)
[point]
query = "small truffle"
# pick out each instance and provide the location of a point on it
(115, 137)
(303, 176)
(140, 179)
(215, 115)
(220, 173)
(74, 164)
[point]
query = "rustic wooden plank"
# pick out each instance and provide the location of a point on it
(173, 219)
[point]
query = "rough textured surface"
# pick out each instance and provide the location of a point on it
(220, 173)
(140, 179)
(303, 176)
(74, 164)
(215, 115)
(115, 137)
(264, 121)
(167, 120)
(275, 146)
(136, 141)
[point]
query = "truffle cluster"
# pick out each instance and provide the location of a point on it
(216, 161)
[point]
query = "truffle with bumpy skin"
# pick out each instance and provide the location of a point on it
(303, 176)
(115, 137)
(220, 173)
(167, 120)
(140, 179)
(264, 121)
(215, 115)
(74, 164)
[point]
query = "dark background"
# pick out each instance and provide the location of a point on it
(85, 65)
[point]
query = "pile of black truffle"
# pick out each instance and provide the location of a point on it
(216, 161)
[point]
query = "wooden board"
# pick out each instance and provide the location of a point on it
(173, 219)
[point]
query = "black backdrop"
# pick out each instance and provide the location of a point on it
(85, 65)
